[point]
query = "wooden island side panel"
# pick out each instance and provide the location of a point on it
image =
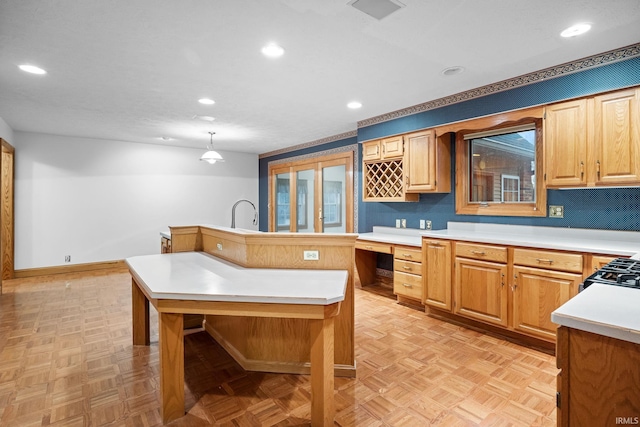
(286, 348)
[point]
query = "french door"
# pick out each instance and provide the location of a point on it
(312, 196)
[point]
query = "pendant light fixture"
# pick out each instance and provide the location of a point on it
(211, 156)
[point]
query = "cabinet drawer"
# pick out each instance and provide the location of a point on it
(482, 252)
(560, 261)
(409, 254)
(408, 285)
(407, 266)
(366, 245)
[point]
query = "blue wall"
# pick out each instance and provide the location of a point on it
(608, 208)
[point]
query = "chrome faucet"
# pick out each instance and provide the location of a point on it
(233, 213)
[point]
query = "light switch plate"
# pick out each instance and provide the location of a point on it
(397, 223)
(422, 224)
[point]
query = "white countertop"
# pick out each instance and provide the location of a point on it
(203, 277)
(612, 311)
(607, 242)
(395, 236)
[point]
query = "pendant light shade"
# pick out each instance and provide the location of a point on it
(211, 156)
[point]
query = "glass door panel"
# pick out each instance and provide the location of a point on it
(282, 202)
(304, 209)
(334, 199)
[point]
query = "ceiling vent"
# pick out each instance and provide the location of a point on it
(378, 9)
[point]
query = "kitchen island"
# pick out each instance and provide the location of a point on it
(190, 282)
(273, 344)
(598, 354)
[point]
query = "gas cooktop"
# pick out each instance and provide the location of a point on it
(619, 272)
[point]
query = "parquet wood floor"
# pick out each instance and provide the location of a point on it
(66, 359)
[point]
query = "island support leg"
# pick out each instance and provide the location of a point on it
(322, 361)
(140, 315)
(171, 344)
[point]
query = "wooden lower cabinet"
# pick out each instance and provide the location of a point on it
(437, 271)
(407, 274)
(536, 294)
(480, 290)
(598, 380)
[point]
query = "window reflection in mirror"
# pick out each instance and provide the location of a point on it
(502, 166)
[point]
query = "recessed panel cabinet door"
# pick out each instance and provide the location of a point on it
(481, 292)
(438, 273)
(565, 144)
(536, 294)
(617, 137)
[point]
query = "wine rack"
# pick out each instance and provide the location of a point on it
(384, 181)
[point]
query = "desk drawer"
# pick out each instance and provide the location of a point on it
(408, 285)
(408, 254)
(561, 261)
(407, 266)
(366, 245)
(481, 252)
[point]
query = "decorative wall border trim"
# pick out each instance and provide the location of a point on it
(356, 164)
(345, 135)
(526, 79)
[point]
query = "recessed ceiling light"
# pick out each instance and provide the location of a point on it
(354, 105)
(452, 71)
(206, 101)
(272, 50)
(576, 30)
(32, 69)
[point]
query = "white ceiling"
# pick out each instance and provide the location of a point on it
(134, 70)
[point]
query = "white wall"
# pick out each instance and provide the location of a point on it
(6, 132)
(100, 200)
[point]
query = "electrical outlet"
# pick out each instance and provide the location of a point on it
(67, 258)
(311, 256)
(422, 224)
(404, 223)
(397, 223)
(556, 211)
(428, 225)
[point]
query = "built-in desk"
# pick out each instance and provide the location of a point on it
(195, 282)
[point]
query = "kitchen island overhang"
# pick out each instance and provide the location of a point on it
(195, 282)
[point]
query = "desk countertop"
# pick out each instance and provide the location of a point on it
(203, 277)
(612, 311)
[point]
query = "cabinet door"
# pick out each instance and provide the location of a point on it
(537, 293)
(617, 137)
(438, 273)
(565, 144)
(392, 147)
(371, 150)
(480, 290)
(427, 162)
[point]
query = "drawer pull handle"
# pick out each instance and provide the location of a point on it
(406, 285)
(368, 247)
(542, 260)
(406, 267)
(478, 252)
(406, 255)
(434, 245)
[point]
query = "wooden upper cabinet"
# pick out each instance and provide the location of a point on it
(565, 144)
(427, 162)
(616, 137)
(392, 147)
(371, 150)
(383, 149)
(593, 142)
